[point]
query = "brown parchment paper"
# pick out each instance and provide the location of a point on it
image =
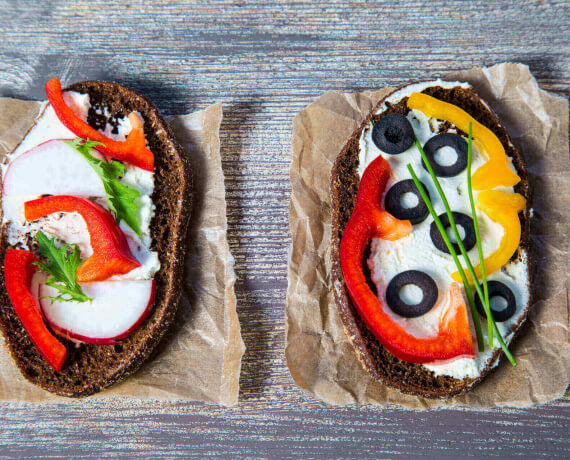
(200, 358)
(320, 358)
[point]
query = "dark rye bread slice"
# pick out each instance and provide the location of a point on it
(383, 366)
(90, 368)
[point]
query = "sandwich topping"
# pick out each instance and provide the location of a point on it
(451, 336)
(417, 278)
(77, 209)
(132, 150)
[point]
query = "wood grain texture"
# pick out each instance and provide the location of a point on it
(265, 61)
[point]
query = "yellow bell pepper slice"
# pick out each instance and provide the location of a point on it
(495, 172)
(504, 209)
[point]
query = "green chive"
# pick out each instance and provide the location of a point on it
(479, 244)
(425, 197)
(463, 252)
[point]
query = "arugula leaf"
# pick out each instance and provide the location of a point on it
(121, 198)
(62, 266)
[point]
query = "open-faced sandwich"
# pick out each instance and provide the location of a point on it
(95, 205)
(430, 238)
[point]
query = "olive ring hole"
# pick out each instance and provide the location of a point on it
(411, 294)
(409, 200)
(451, 233)
(498, 303)
(445, 156)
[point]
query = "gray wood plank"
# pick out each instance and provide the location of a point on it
(265, 61)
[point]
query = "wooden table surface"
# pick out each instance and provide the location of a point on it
(265, 61)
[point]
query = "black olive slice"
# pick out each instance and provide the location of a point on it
(393, 134)
(419, 279)
(461, 220)
(498, 289)
(454, 141)
(393, 203)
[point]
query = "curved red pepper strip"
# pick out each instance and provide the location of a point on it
(18, 273)
(111, 252)
(369, 221)
(133, 150)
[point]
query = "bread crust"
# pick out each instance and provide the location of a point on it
(91, 368)
(407, 377)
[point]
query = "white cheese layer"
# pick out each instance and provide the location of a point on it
(417, 252)
(70, 227)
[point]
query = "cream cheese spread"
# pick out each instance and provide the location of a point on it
(417, 252)
(70, 227)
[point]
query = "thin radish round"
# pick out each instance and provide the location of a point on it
(117, 310)
(52, 168)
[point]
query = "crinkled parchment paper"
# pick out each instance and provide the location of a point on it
(200, 357)
(319, 356)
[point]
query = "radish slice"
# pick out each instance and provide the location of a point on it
(117, 310)
(52, 168)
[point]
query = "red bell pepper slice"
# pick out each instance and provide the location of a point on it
(133, 150)
(369, 221)
(18, 272)
(111, 252)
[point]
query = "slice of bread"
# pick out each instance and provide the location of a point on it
(383, 366)
(90, 368)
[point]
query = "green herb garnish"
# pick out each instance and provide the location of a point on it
(62, 264)
(454, 254)
(491, 323)
(485, 302)
(121, 198)
(441, 228)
